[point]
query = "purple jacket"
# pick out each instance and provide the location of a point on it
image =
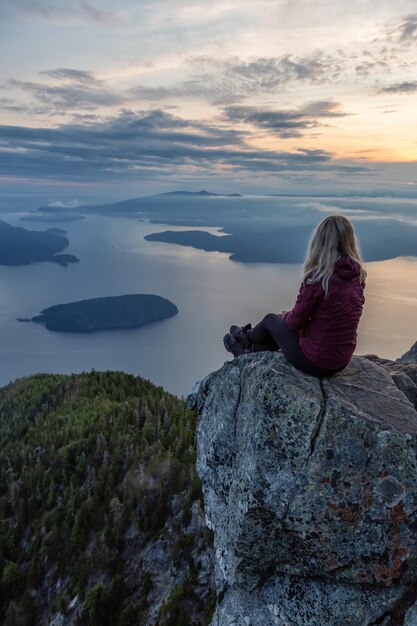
(328, 325)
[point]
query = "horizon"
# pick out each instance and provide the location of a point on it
(293, 98)
(34, 205)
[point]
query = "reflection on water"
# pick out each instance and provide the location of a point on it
(389, 324)
(211, 292)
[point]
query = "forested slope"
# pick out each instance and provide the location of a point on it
(100, 508)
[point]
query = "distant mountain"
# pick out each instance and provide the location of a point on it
(200, 194)
(141, 204)
(19, 246)
(100, 505)
(108, 313)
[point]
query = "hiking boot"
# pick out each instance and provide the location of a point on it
(234, 346)
(240, 334)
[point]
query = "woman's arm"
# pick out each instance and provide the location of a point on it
(303, 308)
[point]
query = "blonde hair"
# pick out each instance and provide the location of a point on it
(334, 237)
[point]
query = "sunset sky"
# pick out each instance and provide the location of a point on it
(109, 100)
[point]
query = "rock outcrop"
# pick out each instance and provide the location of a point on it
(310, 487)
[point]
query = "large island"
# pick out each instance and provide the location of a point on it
(19, 246)
(109, 313)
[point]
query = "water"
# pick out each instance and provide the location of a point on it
(211, 292)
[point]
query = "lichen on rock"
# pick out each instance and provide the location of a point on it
(310, 487)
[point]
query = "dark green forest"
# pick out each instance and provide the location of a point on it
(101, 518)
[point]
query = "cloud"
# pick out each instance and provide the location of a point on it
(407, 28)
(95, 13)
(59, 11)
(369, 67)
(322, 108)
(274, 72)
(287, 122)
(399, 35)
(76, 76)
(9, 104)
(67, 204)
(406, 87)
(224, 81)
(146, 143)
(72, 90)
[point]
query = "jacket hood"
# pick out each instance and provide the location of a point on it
(346, 269)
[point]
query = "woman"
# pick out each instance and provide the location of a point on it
(318, 336)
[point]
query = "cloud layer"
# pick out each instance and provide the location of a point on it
(151, 141)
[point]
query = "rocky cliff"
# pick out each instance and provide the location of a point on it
(310, 487)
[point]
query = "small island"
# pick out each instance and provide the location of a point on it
(108, 313)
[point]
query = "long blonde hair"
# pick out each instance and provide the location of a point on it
(334, 237)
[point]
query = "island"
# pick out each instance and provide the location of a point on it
(107, 313)
(19, 246)
(276, 246)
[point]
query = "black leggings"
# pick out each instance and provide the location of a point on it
(273, 334)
